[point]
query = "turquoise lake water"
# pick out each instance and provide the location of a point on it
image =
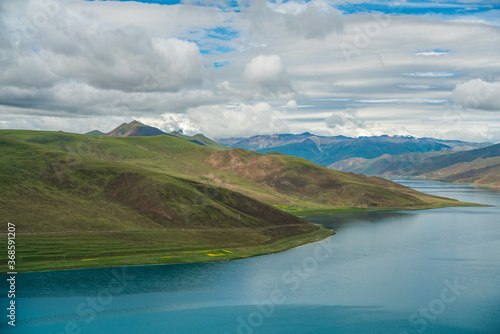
(431, 271)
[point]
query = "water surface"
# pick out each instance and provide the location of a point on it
(432, 271)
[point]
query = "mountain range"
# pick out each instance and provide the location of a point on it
(478, 167)
(325, 150)
(87, 200)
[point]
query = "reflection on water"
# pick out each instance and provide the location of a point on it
(432, 271)
(341, 220)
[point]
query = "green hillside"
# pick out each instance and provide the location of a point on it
(85, 201)
(72, 211)
(270, 178)
(386, 164)
(477, 167)
(201, 140)
(138, 129)
(479, 172)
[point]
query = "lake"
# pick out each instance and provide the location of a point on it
(431, 271)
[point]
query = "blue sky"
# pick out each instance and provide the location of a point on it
(237, 68)
(409, 7)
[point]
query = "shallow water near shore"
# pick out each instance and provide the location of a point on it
(429, 271)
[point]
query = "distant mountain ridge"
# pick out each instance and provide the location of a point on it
(478, 167)
(326, 150)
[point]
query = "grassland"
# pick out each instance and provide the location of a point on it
(44, 251)
(86, 201)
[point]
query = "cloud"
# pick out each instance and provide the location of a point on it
(312, 20)
(114, 60)
(478, 94)
(347, 119)
(240, 120)
(73, 46)
(291, 105)
(430, 74)
(268, 74)
(124, 59)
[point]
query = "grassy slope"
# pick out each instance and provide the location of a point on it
(477, 167)
(480, 172)
(277, 179)
(445, 160)
(384, 165)
(55, 198)
(201, 139)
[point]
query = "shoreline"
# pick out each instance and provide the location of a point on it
(306, 212)
(194, 256)
(487, 186)
(214, 254)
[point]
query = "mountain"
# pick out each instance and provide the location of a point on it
(200, 140)
(88, 200)
(74, 211)
(95, 133)
(138, 129)
(479, 172)
(327, 150)
(478, 166)
(131, 129)
(384, 165)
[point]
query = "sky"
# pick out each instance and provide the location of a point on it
(233, 68)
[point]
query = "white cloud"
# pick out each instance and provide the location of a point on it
(315, 19)
(268, 74)
(69, 45)
(291, 105)
(94, 58)
(478, 94)
(242, 120)
(349, 123)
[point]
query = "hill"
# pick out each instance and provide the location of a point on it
(270, 178)
(200, 140)
(385, 165)
(480, 172)
(95, 133)
(132, 129)
(325, 150)
(82, 200)
(74, 211)
(478, 167)
(138, 129)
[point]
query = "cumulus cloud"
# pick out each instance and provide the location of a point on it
(478, 94)
(349, 123)
(268, 74)
(296, 19)
(312, 20)
(291, 105)
(348, 119)
(68, 45)
(240, 120)
(116, 60)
